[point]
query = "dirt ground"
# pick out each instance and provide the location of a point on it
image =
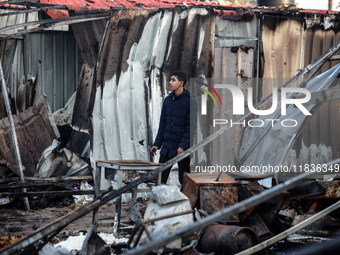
(17, 222)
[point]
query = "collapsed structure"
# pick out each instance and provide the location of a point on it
(128, 50)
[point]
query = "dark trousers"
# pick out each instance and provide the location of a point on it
(183, 167)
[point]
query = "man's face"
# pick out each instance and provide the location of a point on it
(175, 83)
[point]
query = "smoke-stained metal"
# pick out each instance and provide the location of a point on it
(53, 59)
(35, 130)
(140, 51)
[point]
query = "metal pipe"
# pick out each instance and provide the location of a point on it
(13, 133)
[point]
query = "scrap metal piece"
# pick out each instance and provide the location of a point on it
(131, 170)
(192, 183)
(290, 231)
(35, 129)
(214, 199)
(224, 239)
(256, 223)
(332, 190)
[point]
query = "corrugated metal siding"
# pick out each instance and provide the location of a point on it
(230, 33)
(287, 47)
(322, 127)
(140, 51)
(283, 51)
(53, 58)
(88, 36)
(230, 62)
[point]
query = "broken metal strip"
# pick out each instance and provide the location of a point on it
(62, 178)
(37, 29)
(290, 231)
(334, 58)
(46, 193)
(316, 98)
(84, 248)
(323, 96)
(60, 21)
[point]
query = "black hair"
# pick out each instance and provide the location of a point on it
(181, 76)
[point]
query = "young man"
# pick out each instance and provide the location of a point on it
(173, 135)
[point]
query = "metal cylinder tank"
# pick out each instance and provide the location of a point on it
(274, 2)
(226, 239)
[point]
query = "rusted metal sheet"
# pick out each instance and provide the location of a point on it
(224, 239)
(35, 129)
(193, 182)
(214, 199)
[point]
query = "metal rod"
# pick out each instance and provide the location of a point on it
(290, 231)
(47, 193)
(334, 58)
(13, 133)
(61, 178)
(75, 19)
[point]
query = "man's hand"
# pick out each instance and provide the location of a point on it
(153, 150)
(180, 150)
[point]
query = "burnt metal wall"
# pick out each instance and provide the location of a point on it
(236, 61)
(282, 44)
(140, 51)
(122, 87)
(291, 42)
(88, 36)
(53, 58)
